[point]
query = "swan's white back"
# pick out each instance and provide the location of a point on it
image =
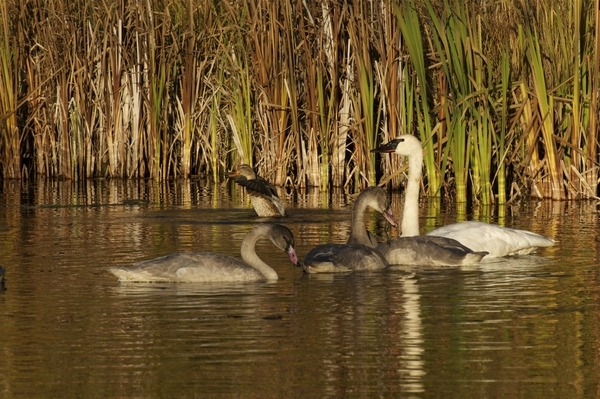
(497, 240)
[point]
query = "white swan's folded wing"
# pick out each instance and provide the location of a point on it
(497, 240)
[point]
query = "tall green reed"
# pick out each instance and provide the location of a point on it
(213, 141)
(411, 31)
(366, 113)
(501, 135)
(546, 105)
(240, 110)
(188, 94)
(458, 42)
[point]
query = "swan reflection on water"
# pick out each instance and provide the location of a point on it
(412, 335)
(190, 289)
(504, 264)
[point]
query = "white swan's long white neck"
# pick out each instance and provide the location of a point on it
(410, 215)
(249, 252)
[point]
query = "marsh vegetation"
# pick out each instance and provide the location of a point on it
(502, 94)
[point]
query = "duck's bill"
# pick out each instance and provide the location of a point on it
(233, 174)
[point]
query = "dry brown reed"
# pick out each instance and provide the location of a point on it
(502, 94)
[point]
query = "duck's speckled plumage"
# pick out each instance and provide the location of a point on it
(263, 195)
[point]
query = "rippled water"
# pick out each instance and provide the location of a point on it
(517, 327)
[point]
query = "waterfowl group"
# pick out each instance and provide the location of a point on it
(459, 244)
(410, 248)
(477, 237)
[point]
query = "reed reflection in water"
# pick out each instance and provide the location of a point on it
(514, 327)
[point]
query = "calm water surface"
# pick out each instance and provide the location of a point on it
(525, 327)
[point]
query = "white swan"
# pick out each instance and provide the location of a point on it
(358, 253)
(412, 249)
(263, 196)
(211, 266)
(478, 236)
(497, 240)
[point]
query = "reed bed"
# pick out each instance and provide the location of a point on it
(503, 94)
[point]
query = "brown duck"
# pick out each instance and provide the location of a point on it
(263, 195)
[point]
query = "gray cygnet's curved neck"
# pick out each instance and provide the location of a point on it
(358, 232)
(249, 255)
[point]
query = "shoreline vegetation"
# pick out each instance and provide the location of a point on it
(502, 94)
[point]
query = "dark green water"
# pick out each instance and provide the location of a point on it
(526, 327)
